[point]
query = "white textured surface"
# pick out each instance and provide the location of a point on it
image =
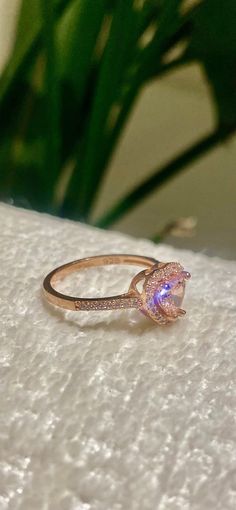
(104, 410)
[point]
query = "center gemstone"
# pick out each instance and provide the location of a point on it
(170, 295)
(164, 292)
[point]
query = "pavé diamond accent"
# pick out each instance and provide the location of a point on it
(108, 304)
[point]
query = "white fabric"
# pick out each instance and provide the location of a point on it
(105, 410)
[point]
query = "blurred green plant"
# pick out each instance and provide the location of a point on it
(74, 74)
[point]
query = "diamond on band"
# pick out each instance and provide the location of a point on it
(163, 287)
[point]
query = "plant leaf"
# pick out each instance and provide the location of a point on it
(77, 36)
(52, 97)
(162, 175)
(112, 70)
(25, 42)
(213, 44)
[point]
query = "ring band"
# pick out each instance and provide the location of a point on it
(160, 298)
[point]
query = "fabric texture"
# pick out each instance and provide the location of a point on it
(105, 410)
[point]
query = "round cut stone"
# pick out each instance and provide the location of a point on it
(174, 298)
(169, 297)
(165, 290)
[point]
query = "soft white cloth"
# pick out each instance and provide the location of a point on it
(105, 410)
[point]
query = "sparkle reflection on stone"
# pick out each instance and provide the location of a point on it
(165, 289)
(171, 293)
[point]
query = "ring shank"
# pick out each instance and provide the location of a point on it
(126, 300)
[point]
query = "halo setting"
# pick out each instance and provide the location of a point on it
(163, 292)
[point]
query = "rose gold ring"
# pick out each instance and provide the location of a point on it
(160, 297)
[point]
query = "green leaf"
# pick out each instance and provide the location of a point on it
(52, 97)
(160, 176)
(27, 42)
(114, 65)
(80, 107)
(17, 105)
(77, 35)
(147, 60)
(15, 113)
(26, 38)
(213, 44)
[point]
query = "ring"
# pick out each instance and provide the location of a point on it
(161, 295)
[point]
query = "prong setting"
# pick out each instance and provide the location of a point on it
(163, 292)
